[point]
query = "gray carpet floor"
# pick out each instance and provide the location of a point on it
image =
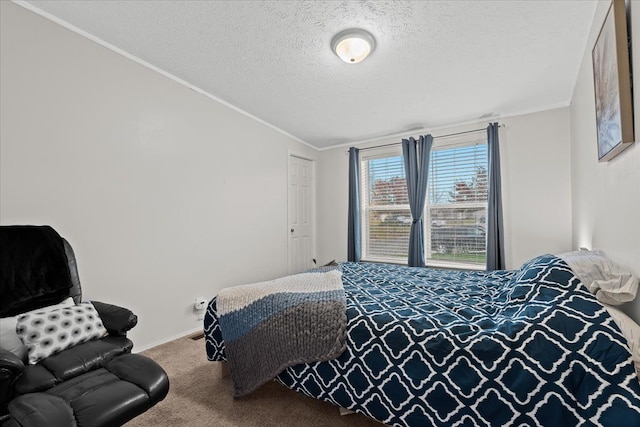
(201, 395)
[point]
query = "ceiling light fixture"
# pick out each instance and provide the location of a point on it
(353, 45)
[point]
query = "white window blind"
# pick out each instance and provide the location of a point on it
(457, 204)
(386, 218)
(456, 211)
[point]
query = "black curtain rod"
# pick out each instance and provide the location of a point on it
(440, 136)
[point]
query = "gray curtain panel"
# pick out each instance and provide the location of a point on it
(353, 233)
(416, 166)
(495, 230)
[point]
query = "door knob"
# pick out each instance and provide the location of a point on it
(292, 230)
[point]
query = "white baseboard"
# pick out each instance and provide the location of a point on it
(166, 340)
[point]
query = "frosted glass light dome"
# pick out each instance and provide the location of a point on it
(352, 46)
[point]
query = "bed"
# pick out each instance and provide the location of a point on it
(435, 347)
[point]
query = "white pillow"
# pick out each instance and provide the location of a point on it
(631, 331)
(49, 332)
(9, 339)
(608, 281)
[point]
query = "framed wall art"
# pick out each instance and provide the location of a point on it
(612, 84)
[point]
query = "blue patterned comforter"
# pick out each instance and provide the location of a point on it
(434, 347)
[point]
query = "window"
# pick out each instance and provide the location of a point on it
(386, 218)
(455, 214)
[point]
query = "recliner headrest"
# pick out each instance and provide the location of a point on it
(34, 271)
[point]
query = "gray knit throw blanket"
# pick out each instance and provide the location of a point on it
(269, 326)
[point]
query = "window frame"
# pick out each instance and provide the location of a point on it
(446, 143)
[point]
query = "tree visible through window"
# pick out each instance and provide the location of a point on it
(456, 211)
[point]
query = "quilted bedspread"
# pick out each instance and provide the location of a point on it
(435, 347)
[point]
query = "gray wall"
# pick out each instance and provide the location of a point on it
(606, 196)
(155, 186)
(536, 188)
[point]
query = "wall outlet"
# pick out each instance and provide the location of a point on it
(200, 304)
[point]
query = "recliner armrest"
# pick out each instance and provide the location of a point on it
(11, 368)
(116, 320)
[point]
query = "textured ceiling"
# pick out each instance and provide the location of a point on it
(436, 63)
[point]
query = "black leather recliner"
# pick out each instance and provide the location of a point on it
(95, 383)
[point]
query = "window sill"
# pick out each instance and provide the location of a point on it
(383, 261)
(455, 265)
(431, 264)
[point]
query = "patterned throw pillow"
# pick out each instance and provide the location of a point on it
(9, 339)
(48, 332)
